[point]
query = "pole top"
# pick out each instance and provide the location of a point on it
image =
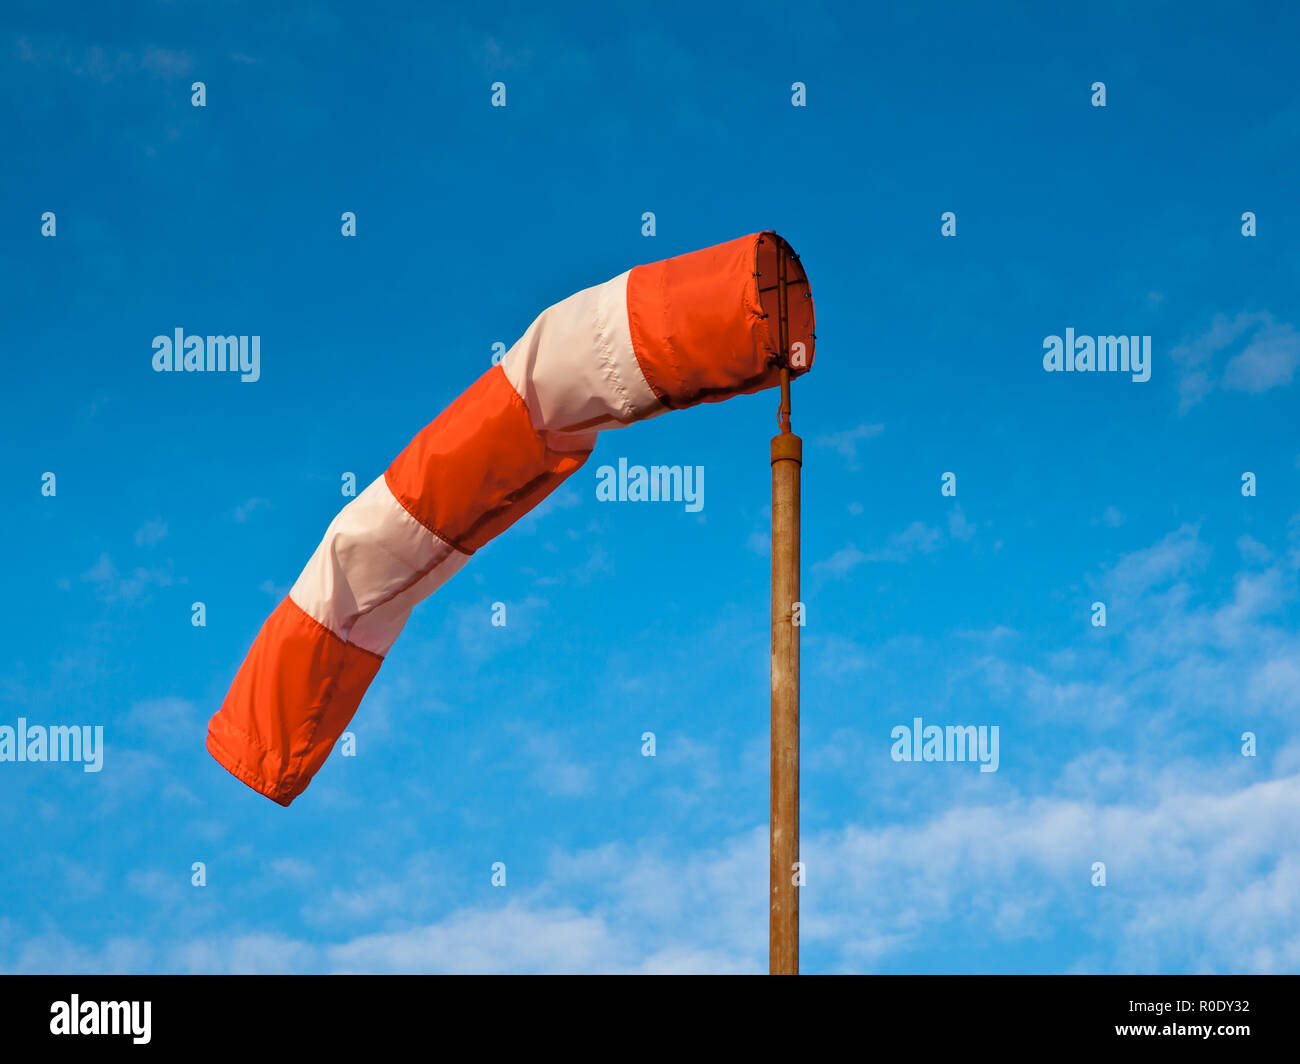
(787, 447)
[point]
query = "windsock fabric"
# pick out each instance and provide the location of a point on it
(696, 328)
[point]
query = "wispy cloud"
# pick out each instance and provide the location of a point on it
(101, 63)
(112, 585)
(846, 442)
(556, 771)
(1261, 354)
(150, 534)
(1200, 878)
(916, 538)
(248, 507)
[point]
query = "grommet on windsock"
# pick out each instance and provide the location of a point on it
(696, 328)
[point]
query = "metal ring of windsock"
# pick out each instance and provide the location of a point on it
(697, 328)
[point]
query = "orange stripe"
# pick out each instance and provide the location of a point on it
(291, 699)
(700, 328)
(478, 467)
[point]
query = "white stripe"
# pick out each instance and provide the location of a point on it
(374, 564)
(576, 368)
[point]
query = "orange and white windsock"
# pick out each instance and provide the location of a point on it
(692, 329)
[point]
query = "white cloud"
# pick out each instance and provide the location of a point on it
(1201, 876)
(916, 538)
(248, 507)
(1197, 880)
(150, 533)
(111, 585)
(1203, 861)
(555, 771)
(101, 63)
(959, 527)
(1267, 359)
(1177, 554)
(513, 938)
(165, 723)
(846, 442)
(843, 561)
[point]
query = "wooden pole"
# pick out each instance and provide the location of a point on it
(787, 460)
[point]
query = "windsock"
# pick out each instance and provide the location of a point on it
(693, 329)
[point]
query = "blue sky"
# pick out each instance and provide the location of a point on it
(523, 745)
